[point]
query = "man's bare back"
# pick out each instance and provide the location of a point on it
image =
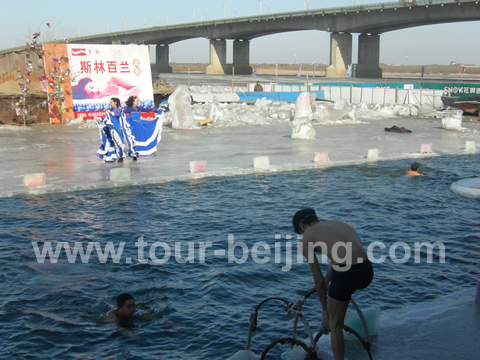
(337, 240)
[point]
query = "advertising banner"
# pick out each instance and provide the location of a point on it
(100, 72)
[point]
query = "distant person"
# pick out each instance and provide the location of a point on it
(349, 268)
(125, 313)
(258, 87)
(414, 170)
(86, 88)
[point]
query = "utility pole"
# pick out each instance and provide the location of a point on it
(224, 6)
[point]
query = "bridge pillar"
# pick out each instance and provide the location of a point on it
(340, 54)
(218, 58)
(369, 56)
(241, 57)
(162, 54)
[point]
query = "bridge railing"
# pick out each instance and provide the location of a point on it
(324, 11)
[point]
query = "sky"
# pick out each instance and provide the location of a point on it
(423, 45)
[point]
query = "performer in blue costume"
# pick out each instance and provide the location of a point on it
(133, 104)
(116, 107)
(141, 136)
(111, 134)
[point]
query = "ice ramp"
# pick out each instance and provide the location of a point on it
(289, 96)
(208, 98)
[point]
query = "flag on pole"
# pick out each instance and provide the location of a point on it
(255, 72)
(423, 71)
(463, 70)
(276, 69)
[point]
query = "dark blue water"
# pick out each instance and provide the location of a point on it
(54, 310)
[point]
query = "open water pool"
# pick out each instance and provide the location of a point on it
(54, 310)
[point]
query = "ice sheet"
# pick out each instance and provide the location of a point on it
(66, 154)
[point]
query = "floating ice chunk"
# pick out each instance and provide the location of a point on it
(302, 128)
(327, 114)
(340, 104)
(467, 187)
(180, 105)
(426, 148)
(401, 110)
(384, 111)
(372, 155)
(263, 102)
(364, 106)
(415, 110)
(470, 146)
(198, 166)
(320, 157)
(303, 105)
(453, 121)
(120, 174)
(286, 114)
(261, 162)
(350, 115)
(214, 111)
(35, 180)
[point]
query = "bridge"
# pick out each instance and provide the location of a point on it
(369, 21)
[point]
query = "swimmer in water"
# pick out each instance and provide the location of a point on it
(125, 313)
(414, 170)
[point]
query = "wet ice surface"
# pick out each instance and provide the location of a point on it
(239, 132)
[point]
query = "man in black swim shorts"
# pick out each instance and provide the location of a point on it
(349, 268)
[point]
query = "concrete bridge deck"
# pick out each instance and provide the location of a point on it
(367, 20)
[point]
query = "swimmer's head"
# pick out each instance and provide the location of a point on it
(79, 91)
(125, 305)
(415, 167)
(122, 298)
(304, 216)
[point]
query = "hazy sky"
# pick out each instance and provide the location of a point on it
(433, 44)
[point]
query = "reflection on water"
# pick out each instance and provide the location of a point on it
(55, 310)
